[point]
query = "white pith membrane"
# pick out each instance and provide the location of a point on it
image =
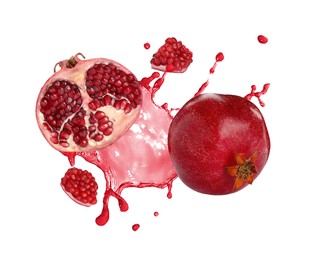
(116, 114)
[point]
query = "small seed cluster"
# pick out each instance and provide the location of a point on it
(81, 185)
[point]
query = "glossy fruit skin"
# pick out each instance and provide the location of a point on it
(207, 133)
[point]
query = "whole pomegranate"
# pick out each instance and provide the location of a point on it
(218, 143)
(87, 104)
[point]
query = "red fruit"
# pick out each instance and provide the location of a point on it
(80, 186)
(173, 56)
(87, 104)
(218, 143)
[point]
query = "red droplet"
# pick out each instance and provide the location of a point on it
(219, 57)
(262, 39)
(146, 45)
(135, 227)
(156, 213)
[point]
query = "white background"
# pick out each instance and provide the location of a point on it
(272, 219)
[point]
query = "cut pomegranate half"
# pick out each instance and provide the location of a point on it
(87, 104)
(173, 56)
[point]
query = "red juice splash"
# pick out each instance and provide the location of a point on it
(140, 158)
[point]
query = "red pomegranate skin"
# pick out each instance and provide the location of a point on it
(210, 134)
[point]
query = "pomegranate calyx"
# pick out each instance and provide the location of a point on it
(70, 63)
(73, 60)
(243, 171)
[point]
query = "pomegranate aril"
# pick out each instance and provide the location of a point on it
(92, 128)
(54, 140)
(101, 128)
(107, 100)
(94, 104)
(64, 135)
(103, 120)
(108, 131)
(64, 143)
(128, 108)
(97, 137)
(99, 114)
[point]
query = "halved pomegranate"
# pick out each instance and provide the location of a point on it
(87, 104)
(173, 56)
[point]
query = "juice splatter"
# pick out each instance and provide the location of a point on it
(139, 158)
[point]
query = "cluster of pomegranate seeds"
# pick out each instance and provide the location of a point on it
(100, 122)
(61, 100)
(109, 85)
(173, 56)
(81, 186)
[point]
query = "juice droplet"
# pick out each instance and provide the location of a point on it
(262, 39)
(156, 213)
(135, 227)
(146, 45)
(219, 57)
(71, 157)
